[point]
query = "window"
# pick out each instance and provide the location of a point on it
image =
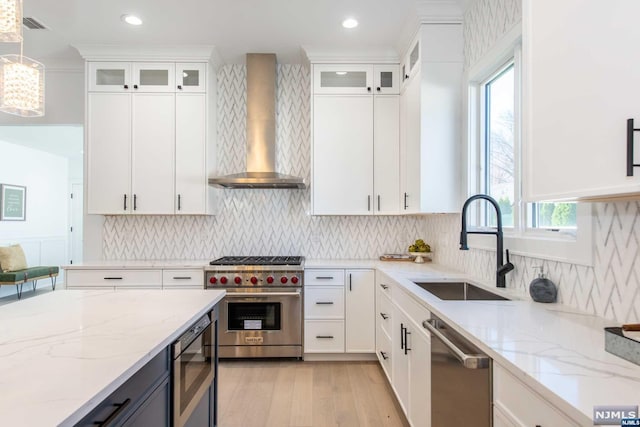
(495, 168)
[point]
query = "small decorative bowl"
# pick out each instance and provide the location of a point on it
(420, 256)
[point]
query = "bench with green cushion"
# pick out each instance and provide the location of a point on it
(32, 274)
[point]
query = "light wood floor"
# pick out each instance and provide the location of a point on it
(297, 394)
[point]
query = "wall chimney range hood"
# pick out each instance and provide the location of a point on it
(261, 131)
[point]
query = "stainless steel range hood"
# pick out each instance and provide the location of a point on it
(261, 131)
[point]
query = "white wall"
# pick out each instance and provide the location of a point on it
(43, 234)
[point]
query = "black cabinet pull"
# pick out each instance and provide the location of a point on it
(384, 316)
(182, 278)
(630, 133)
(378, 203)
(383, 286)
(119, 407)
(324, 277)
(378, 89)
(126, 86)
(406, 76)
(350, 287)
(405, 201)
(406, 343)
(135, 202)
(324, 337)
(125, 202)
(368, 203)
(180, 87)
(324, 302)
(179, 207)
(369, 89)
(402, 336)
(113, 278)
(384, 355)
(135, 86)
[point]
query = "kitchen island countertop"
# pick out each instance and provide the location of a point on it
(64, 352)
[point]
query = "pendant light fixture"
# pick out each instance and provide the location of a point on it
(10, 20)
(21, 78)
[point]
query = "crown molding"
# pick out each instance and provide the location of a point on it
(318, 55)
(118, 52)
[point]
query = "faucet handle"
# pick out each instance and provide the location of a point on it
(508, 262)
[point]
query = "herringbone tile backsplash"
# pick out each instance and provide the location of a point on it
(260, 222)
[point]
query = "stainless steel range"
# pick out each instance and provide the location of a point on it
(261, 315)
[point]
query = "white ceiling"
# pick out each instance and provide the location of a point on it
(235, 27)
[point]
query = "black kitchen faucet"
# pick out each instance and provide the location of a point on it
(501, 269)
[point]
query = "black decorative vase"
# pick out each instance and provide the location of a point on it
(542, 289)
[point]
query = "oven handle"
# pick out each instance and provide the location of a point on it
(263, 294)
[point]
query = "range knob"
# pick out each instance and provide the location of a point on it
(254, 280)
(270, 279)
(223, 280)
(237, 280)
(294, 280)
(284, 280)
(213, 280)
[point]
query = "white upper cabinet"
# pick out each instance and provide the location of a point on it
(109, 76)
(154, 77)
(386, 79)
(343, 155)
(579, 90)
(386, 155)
(410, 63)
(430, 120)
(356, 79)
(191, 77)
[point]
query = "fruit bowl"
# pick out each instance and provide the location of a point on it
(420, 256)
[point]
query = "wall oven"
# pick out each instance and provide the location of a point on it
(194, 367)
(261, 314)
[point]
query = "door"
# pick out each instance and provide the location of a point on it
(343, 155)
(191, 77)
(109, 76)
(400, 359)
(153, 173)
(386, 80)
(191, 176)
(360, 321)
(75, 230)
(579, 90)
(154, 77)
(386, 157)
(109, 153)
(410, 148)
(356, 79)
(419, 378)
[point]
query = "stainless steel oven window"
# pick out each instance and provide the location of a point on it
(265, 316)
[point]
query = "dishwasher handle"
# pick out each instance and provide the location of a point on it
(469, 361)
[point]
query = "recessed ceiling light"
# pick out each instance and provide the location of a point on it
(349, 23)
(131, 19)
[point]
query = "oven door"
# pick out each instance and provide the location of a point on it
(193, 369)
(261, 317)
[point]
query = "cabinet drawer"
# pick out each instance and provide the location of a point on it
(383, 351)
(324, 277)
(137, 389)
(324, 336)
(383, 285)
(125, 279)
(324, 303)
(383, 313)
(183, 279)
(523, 406)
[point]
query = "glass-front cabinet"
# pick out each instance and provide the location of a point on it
(191, 77)
(153, 77)
(354, 79)
(109, 76)
(386, 79)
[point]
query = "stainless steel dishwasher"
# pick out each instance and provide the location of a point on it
(460, 379)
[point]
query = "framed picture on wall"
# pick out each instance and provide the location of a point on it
(13, 202)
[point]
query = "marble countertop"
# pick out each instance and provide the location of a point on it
(556, 350)
(138, 264)
(64, 352)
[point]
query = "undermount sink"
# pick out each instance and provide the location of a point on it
(459, 291)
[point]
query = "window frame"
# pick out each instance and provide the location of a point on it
(572, 246)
